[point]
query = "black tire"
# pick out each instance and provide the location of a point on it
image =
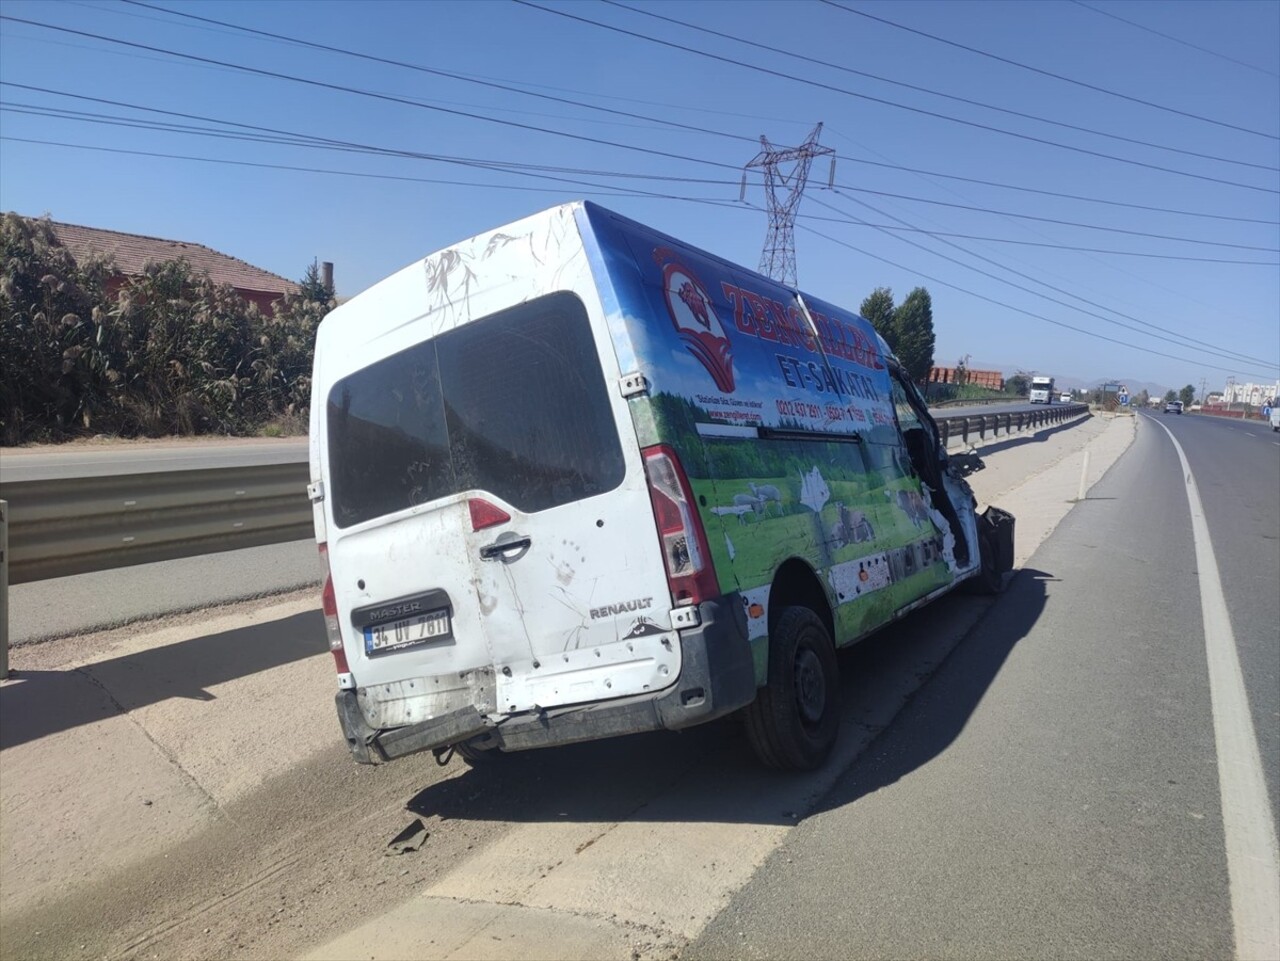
(988, 580)
(794, 720)
(477, 757)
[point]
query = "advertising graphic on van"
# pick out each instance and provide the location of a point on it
(583, 479)
(800, 383)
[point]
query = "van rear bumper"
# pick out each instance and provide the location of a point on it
(717, 676)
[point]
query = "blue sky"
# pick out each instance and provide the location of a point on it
(1217, 61)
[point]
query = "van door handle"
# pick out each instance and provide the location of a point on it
(500, 548)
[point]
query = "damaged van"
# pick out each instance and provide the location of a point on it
(574, 478)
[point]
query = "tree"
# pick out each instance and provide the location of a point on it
(1019, 383)
(1143, 399)
(878, 308)
(313, 286)
(1187, 395)
(962, 373)
(913, 325)
(1170, 397)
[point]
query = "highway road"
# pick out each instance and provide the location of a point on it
(1054, 791)
(108, 458)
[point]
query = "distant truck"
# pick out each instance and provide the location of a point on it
(1042, 390)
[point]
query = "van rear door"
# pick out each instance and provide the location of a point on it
(491, 537)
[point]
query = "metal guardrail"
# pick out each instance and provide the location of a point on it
(975, 401)
(965, 427)
(82, 524)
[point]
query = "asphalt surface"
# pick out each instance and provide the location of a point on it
(144, 457)
(1053, 790)
(63, 606)
(1237, 469)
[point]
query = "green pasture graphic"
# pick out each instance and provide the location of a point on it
(851, 508)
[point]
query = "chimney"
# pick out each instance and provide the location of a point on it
(326, 274)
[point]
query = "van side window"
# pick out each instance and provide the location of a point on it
(514, 404)
(907, 417)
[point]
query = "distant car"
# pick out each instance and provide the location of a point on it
(1173, 407)
(1065, 398)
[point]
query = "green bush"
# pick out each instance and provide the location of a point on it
(170, 353)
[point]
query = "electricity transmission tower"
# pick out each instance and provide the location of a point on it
(784, 190)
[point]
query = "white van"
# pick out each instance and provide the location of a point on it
(574, 478)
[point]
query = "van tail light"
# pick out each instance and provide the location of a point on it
(690, 575)
(329, 605)
(484, 514)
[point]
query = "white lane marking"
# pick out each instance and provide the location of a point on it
(1253, 864)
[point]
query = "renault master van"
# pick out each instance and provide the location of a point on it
(574, 479)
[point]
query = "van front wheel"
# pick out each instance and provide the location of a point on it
(793, 722)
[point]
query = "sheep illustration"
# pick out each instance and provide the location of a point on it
(751, 502)
(767, 493)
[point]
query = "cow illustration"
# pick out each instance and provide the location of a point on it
(852, 528)
(696, 303)
(912, 504)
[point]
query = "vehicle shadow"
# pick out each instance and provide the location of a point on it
(1023, 439)
(926, 728)
(39, 703)
(709, 773)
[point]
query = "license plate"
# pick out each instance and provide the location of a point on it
(411, 630)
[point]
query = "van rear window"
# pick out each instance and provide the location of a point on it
(514, 404)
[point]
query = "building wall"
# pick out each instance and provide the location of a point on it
(1256, 394)
(983, 378)
(262, 299)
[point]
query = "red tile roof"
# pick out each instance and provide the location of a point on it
(132, 252)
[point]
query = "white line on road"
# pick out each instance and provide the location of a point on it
(1253, 864)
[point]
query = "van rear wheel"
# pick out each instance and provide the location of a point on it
(477, 756)
(793, 722)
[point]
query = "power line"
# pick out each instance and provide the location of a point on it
(293, 138)
(1108, 263)
(1227, 355)
(295, 41)
(880, 100)
(617, 192)
(303, 139)
(1185, 43)
(1064, 196)
(367, 93)
(1034, 243)
(1028, 313)
(934, 93)
(1048, 73)
(1047, 220)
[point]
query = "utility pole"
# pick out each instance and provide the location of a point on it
(1204, 395)
(778, 259)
